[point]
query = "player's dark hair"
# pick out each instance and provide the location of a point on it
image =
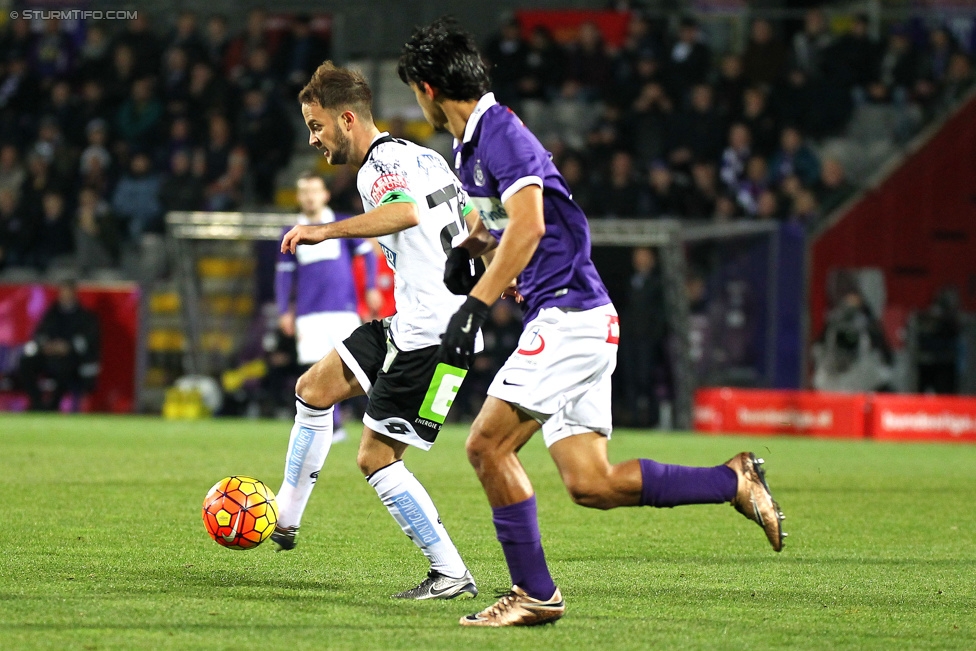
(340, 89)
(446, 57)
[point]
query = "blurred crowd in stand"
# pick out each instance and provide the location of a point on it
(103, 131)
(679, 129)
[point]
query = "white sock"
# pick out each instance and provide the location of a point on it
(412, 508)
(311, 438)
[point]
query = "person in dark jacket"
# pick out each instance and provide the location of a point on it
(64, 354)
(642, 331)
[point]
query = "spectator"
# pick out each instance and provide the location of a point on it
(544, 68)
(506, 55)
(180, 139)
(92, 105)
(139, 118)
(701, 200)
(145, 46)
(937, 344)
(855, 57)
(19, 93)
(834, 188)
(12, 173)
(690, 60)
(666, 198)
(646, 70)
(571, 168)
(175, 80)
(638, 45)
(736, 155)
(181, 189)
(900, 68)
(62, 157)
(767, 205)
(761, 121)
(16, 231)
(959, 79)
(267, 135)
(136, 198)
(648, 122)
(804, 210)
(753, 185)
(17, 42)
(95, 154)
(588, 66)
(764, 60)
(643, 329)
(207, 94)
(216, 42)
(218, 147)
(39, 180)
(54, 237)
(254, 37)
(726, 208)
(851, 353)
(186, 37)
(121, 76)
(53, 53)
(697, 132)
(302, 52)
(96, 234)
(95, 55)
(257, 73)
(227, 191)
(794, 157)
(812, 43)
(63, 109)
(621, 195)
(63, 355)
(730, 87)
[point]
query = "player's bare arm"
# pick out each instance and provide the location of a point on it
(525, 229)
(383, 220)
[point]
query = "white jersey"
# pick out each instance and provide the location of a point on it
(395, 171)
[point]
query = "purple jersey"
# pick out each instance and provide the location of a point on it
(320, 275)
(499, 156)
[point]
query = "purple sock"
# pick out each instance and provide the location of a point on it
(517, 528)
(336, 418)
(667, 485)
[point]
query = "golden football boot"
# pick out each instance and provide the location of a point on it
(519, 609)
(753, 498)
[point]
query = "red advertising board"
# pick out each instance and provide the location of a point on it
(923, 418)
(117, 306)
(564, 24)
(781, 412)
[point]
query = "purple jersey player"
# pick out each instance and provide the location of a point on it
(314, 287)
(559, 378)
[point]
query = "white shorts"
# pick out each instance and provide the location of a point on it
(318, 333)
(560, 374)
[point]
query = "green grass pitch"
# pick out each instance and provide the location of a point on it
(102, 547)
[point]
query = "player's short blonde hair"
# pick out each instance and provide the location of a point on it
(341, 89)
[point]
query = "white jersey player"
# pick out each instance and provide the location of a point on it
(414, 206)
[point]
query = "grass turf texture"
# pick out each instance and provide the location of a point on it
(103, 548)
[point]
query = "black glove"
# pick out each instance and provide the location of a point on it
(457, 342)
(457, 271)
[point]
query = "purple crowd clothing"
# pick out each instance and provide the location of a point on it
(497, 157)
(665, 485)
(517, 529)
(318, 277)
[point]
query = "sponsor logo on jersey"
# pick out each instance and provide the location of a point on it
(491, 211)
(390, 256)
(387, 183)
(534, 346)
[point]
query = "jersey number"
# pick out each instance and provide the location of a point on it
(448, 194)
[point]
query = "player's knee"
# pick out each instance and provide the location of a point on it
(478, 446)
(312, 393)
(589, 493)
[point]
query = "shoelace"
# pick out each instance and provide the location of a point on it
(506, 601)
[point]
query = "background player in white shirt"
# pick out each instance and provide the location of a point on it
(414, 205)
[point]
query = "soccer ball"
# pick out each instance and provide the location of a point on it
(240, 512)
